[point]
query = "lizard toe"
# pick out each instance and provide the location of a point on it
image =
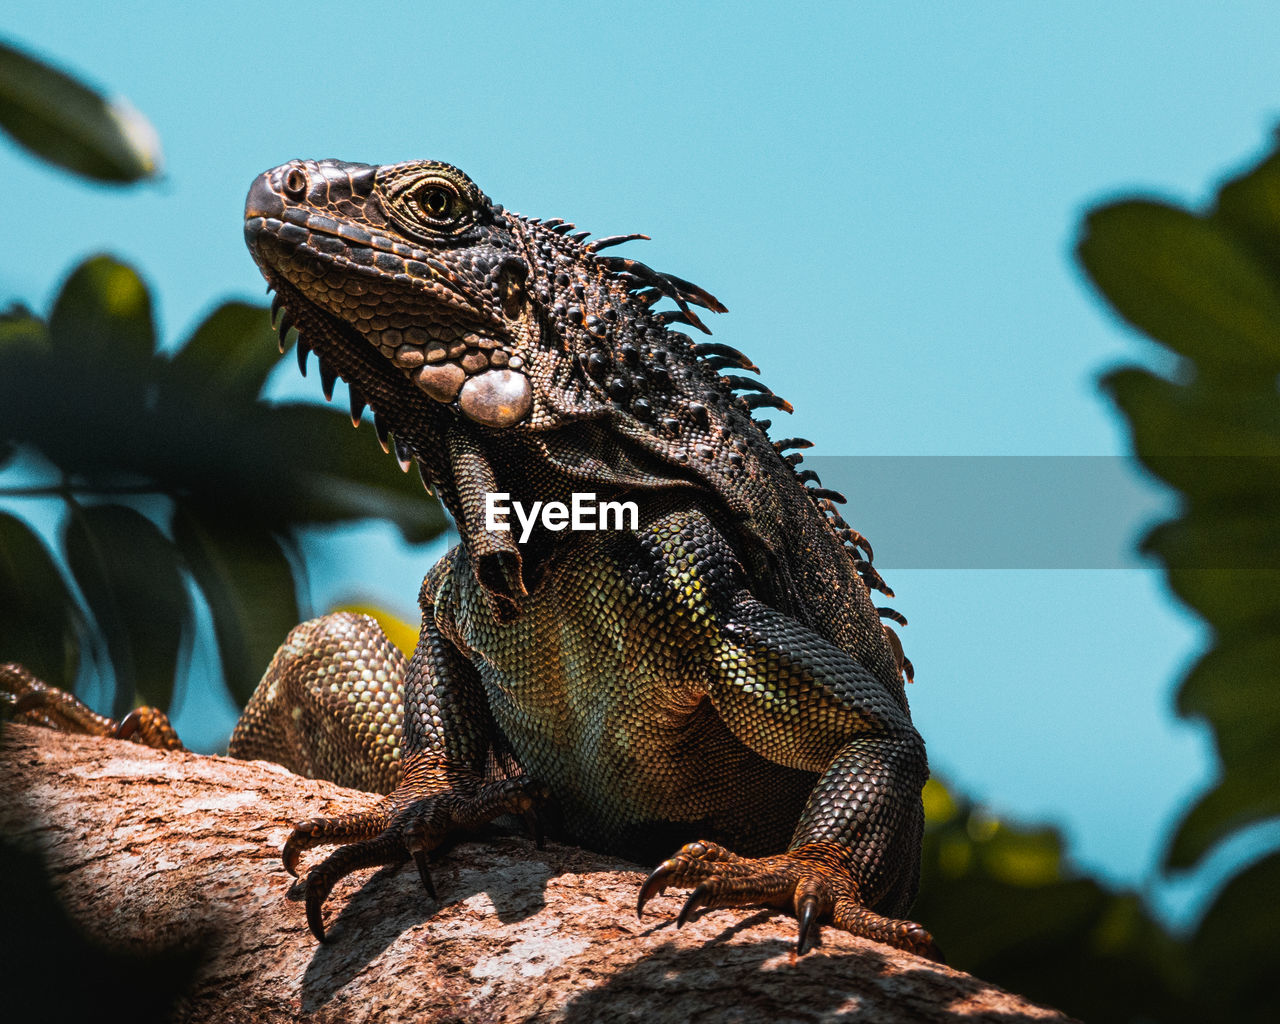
(849, 915)
(386, 848)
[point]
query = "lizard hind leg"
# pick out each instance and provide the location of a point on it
(330, 705)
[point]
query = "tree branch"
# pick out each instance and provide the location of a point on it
(152, 850)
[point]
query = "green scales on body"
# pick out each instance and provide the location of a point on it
(716, 677)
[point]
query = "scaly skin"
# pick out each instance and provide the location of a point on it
(716, 677)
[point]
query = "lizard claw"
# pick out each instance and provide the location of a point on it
(128, 725)
(299, 840)
(654, 885)
(807, 913)
(417, 843)
(420, 859)
(699, 896)
(315, 916)
(533, 825)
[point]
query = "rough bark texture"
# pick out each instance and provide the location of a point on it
(150, 850)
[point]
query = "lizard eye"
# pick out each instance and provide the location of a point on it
(432, 203)
(437, 201)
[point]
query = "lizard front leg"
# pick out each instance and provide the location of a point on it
(446, 781)
(798, 700)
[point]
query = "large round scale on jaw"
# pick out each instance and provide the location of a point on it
(441, 380)
(496, 398)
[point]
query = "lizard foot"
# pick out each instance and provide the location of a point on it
(811, 880)
(28, 700)
(390, 836)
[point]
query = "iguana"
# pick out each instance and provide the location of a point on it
(714, 675)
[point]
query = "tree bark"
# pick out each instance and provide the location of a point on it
(153, 850)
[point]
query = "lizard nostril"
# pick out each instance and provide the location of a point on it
(295, 183)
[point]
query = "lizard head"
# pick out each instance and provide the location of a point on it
(412, 263)
(410, 271)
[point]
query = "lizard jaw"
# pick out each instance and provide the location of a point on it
(473, 371)
(487, 389)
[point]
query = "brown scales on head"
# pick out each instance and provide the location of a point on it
(450, 316)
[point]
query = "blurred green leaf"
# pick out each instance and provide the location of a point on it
(1238, 601)
(190, 430)
(193, 424)
(1207, 285)
(1229, 685)
(65, 122)
(248, 583)
(1025, 857)
(40, 621)
(1185, 281)
(229, 354)
(132, 581)
(1249, 207)
(1235, 802)
(20, 330)
(102, 312)
(340, 474)
(1003, 904)
(1235, 945)
(1194, 424)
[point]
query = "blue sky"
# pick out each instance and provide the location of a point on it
(886, 197)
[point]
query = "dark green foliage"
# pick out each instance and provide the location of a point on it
(40, 622)
(68, 124)
(1206, 285)
(1000, 899)
(242, 571)
(172, 469)
(133, 586)
(1234, 948)
(1187, 281)
(1004, 905)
